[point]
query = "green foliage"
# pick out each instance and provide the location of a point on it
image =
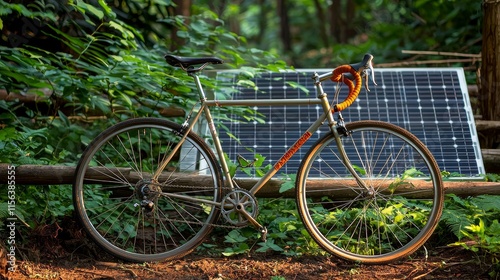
(108, 71)
(204, 34)
(492, 177)
(289, 182)
(462, 215)
(104, 72)
(39, 205)
(92, 68)
(402, 179)
(238, 244)
(475, 223)
(447, 176)
(286, 234)
(52, 141)
(350, 28)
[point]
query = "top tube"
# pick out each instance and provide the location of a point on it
(262, 102)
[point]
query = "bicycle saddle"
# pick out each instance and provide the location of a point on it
(186, 62)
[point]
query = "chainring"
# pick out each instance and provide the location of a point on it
(236, 201)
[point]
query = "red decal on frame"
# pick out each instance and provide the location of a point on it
(288, 154)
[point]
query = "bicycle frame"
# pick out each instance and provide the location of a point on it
(205, 108)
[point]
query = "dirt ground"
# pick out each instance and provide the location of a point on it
(53, 253)
(441, 263)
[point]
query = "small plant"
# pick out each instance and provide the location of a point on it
(492, 177)
(289, 182)
(475, 223)
(446, 175)
(238, 243)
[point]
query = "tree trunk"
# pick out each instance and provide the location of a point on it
(60, 175)
(490, 67)
(284, 25)
(350, 13)
(322, 23)
(342, 13)
(182, 7)
(262, 22)
(336, 20)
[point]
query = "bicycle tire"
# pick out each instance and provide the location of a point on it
(385, 223)
(132, 217)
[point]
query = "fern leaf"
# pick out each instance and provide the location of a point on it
(487, 202)
(4, 213)
(456, 220)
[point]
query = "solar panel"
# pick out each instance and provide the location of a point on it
(432, 103)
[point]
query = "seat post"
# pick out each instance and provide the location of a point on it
(197, 82)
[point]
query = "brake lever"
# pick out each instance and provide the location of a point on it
(367, 71)
(365, 68)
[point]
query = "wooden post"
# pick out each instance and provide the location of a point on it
(63, 175)
(490, 67)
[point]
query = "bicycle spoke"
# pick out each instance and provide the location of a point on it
(129, 214)
(374, 224)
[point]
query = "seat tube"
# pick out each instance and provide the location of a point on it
(213, 130)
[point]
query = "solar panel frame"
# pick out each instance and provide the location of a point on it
(432, 103)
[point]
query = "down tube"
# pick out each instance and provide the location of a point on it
(288, 154)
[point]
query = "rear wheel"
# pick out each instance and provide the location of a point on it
(134, 217)
(393, 216)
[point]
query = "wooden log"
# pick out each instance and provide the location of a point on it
(426, 62)
(473, 90)
(482, 125)
(491, 155)
(63, 175)
(32, 95)
(478, 56)
(491, 160)
(43, 94)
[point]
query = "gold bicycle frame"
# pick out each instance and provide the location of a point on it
(205, 107)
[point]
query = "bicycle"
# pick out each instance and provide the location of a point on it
(149, 189)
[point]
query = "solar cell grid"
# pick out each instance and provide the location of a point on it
(431, 103)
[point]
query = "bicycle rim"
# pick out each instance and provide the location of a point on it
(389, 220)
(133, 217)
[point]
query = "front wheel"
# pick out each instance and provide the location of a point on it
(134, 216)
(392, 215)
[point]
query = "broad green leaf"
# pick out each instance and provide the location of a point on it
(106, 8)
(298, 86)
(87, 7)
(247, 83)
(235, 236)
(125, 33)
(8, 133)
(288, 184)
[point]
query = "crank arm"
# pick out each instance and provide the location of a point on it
(262, 229)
